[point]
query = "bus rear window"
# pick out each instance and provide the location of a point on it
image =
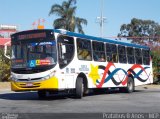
(146, 57)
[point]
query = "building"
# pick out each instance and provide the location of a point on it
(4, 41)
(5, 32)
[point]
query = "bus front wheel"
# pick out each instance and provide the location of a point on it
(79, 88)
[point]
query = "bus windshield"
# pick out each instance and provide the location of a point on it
(34, 54)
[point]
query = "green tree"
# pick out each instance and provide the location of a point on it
(66, 17)
(4, 67)
(156, 64)
(141, 30)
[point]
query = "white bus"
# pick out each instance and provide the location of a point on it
(59, 60)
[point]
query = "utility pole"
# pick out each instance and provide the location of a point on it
(101, 20)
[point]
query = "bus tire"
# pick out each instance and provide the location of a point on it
(42, 94)
(130, 85)
(79, 88)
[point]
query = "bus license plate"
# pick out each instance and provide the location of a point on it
(29, 84)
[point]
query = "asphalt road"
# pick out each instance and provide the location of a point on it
(144, 100)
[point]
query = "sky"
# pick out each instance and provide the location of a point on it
(117, 12)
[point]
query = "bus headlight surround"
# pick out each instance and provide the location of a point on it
(13, 78)
(49, 76)
(46, 77)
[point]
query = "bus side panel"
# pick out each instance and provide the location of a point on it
(116, 75)
(144, 76)
(83, 67)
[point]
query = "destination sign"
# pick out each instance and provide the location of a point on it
(32, 36)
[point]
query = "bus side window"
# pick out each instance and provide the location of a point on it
(138, 56)
(111, 53)
(98, 51)
(122, 54)
(130, 55)
(84, 49)
(65, 50)
(146, 57)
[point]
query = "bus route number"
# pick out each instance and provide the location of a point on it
(84, 68)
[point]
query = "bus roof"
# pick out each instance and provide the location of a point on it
(87, 37)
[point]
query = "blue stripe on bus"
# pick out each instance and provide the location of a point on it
(99, 39)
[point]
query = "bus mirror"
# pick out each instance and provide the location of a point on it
(5, 50)
(63, 49)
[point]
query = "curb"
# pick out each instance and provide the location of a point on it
(5, 86)
(149, 86)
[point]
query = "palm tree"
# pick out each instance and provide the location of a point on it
(67, 19)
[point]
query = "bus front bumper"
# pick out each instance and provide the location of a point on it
(49, 84)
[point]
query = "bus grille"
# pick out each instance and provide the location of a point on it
(28, 80)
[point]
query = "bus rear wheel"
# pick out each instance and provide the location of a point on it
(79, 88)
(130, 85)
(42, 94)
